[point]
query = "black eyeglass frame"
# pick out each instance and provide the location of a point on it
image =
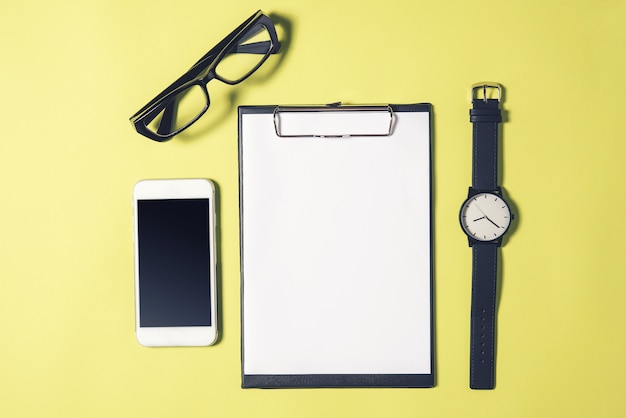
(200, 74)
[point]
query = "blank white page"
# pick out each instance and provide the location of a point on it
(336, 249)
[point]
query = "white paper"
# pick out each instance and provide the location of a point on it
(336, 248)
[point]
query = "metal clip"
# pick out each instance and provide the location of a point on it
(382, 128)
(484, 85)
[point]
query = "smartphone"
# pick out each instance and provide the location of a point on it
(175, 284)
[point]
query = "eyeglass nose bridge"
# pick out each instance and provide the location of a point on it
(204, 80)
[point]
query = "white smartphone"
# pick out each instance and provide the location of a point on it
(175, 284)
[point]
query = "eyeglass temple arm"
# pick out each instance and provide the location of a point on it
(253, 48)
(167, 120)
(257, 48)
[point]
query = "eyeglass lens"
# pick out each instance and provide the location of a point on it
(245, 56)
(181, 111)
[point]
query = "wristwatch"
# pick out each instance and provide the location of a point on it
(485, 217)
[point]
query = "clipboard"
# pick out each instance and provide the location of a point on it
(336, 246)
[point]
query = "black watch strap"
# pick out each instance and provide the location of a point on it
(483, 316)
(485, 116)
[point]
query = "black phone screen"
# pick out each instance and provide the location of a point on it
(174, 262)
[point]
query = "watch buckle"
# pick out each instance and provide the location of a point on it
(484, 85)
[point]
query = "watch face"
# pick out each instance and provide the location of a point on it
(485, 217)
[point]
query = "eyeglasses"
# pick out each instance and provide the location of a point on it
(231, 61)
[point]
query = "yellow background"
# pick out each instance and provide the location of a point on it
(71, 74)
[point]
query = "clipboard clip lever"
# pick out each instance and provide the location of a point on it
(333, 121)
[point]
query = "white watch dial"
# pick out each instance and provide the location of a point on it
(485, 217)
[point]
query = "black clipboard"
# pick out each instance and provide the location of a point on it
(336, 246)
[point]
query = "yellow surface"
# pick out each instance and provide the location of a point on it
(71, 74)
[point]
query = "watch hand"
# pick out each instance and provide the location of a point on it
(492, 221)
(482, 217)
(480, 210)
(485, 216)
